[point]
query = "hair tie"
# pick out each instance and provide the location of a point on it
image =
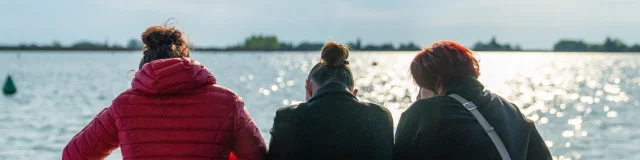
(345, 62)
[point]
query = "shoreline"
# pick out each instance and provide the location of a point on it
(27, 51)
(218, 50)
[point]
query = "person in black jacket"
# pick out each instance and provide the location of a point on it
(332, 124)
(439, 127)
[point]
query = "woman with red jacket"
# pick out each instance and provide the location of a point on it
(174, 110)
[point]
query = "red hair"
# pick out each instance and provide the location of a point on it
(443, 62)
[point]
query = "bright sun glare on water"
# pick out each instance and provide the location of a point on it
(584, 105)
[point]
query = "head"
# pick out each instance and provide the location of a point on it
(162, 42)
(441, 63)
(331, 68)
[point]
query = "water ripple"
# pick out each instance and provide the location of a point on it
(584, 105)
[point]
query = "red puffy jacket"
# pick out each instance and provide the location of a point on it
(174, 110)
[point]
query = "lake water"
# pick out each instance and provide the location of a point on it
(585, 105)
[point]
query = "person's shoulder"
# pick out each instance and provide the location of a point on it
(434, 109)
(218, 89)
(376, 108)
(217, 94)
(286, 113)
(428, 104)
(128, 97)
(511, 107)
(287, 109)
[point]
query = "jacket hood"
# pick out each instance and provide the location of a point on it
(171, 76)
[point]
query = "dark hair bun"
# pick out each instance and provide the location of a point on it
(335, 54)
(159, 36)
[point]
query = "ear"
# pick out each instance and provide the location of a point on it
(355, 91)
(426, 93)
(309, 89)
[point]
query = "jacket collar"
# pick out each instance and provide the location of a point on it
(332, 88)
(466, 86)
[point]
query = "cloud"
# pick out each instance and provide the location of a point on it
(227, 22)
(538, 13)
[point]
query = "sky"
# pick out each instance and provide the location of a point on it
(533, 24)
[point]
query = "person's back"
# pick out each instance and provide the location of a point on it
(438, 126)
(332, 124)
(174, 110)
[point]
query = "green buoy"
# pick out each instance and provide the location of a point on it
(9, 87)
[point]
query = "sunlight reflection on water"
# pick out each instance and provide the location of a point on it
(584, 104)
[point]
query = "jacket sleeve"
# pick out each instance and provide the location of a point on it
(249, 143)
(281, 134)
(537, 148)
(96, 141)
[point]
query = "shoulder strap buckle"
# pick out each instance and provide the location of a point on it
(470, 106)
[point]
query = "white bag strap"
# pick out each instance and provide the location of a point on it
(483, 122)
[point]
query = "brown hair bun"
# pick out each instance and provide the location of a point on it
(162, 42)
(335, 54)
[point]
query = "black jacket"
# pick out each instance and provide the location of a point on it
(441, 128)
(333, 124)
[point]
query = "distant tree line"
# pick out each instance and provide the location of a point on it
(271, 43)
(609, 45)
(132, 44)
(493, 45)
(252, 43)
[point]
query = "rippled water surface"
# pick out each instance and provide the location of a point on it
(585, 105)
